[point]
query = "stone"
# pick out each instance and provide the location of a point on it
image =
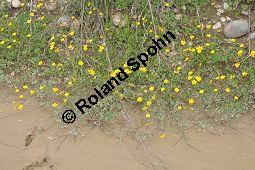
(251, 36)
(223, 19)
(64, 21)
(178, 17)
(15, 3)
(225, 6)
(119, 20)
(236, 29)
(216, 26)
(244, 12)
(9, 1)
(51, 5)
(228, 18)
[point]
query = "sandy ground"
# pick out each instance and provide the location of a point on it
(232, 150)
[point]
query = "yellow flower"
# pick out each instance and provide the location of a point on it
(25, 87)
(194, 82)
(55, 89)
(16, 90)
(179, 107)
(80, 63)
(29, 35)
(41, 87)
(21, 96)
(252, 54)
(240, 52)
(148, 115)
(166, 81)
(208, 26)
(208, 35)
(183, 42)
(101, 48)
(40, 63)
(222, 77)
(167, 4)
(241, 45)
(90, 12)
(128, 71)
(71, 33)
(137, 23)
(14, 34)
(143, 69)
(237, 65)
(244, 73)
(162, 89)
(191, 101)
(176, 89)
(32, 92)
(31, 14)
(236, 97)
(207, 44)
(212, 51)
(149, 102)
(55, 104)
(85, 47)
(39, 5)
(198, 78)
(199, 49)
(228, 90)
(29, 21)
(190, 77)
(199, 26)
(139, 99)
(162, 135)
(192, 37)
(233, 40)
(201, 91)
(167, 50)
(91, 72)
(20, 106)
(151, 88)
(66, 94)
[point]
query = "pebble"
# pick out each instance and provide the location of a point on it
(119, 20)
(228, 18)
(64, 21)
(216, 26)
(236, 29)
(15, 3)
(245, 12)
(223, 19)
(251, 36)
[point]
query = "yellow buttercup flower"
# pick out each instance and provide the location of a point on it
(91, 72)
(198, 78)
(244, 73)
(252, 54)
(199, 49)
(212, 51)
(25, 87)
(191, 101)
(194, 82)
(139, 99)
(208, 35)
(179, 107)
(101, 48)
(80, 63)
(228, 90)
(241, 45)
(55, 104)
(71, 33)
(162, 136)
(40, 63)
(151, 88)
(176, 89)
(183, 42)
(143, 69)
(236, 97)
(237, 65)
(166, 81)
(240, 52)
(85, 47)
(20, 106)
(32, 92)
(148, 115)
(201, 91)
